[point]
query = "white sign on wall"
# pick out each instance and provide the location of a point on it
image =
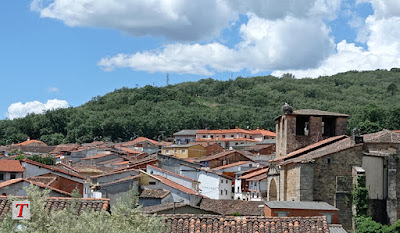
(21, 210)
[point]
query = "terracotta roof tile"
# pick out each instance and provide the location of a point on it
(219, 155)
(311, 147)
(253, 174)
(175, 185)
(28, 142)
(340, 145)
(154, 193)
(139, 140)
(59, 203)
(172, 173)
(187, 223)
(42, 185)
(10, 166)
(51, 168)
(230, 165)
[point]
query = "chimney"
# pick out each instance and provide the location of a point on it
(357, 138)
(69, 162)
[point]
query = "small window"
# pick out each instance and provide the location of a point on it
(232, 136)
(222, 181)
(226, 192)
(255, 183)
(282, 213)
(265, 137)
(328, 161)
(222, 192)
(328, 217)
(236, 143)
(166, 151)
(302, 125)
(1, 176)
(13, 175)
(226, 181)
(183, 151)
(152, 183)
(223, 136)
(245, 136)
(238, 190)
(204, 136)
(257, 195)
(175, 151)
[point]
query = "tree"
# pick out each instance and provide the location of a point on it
(392, 88)
(125, 217)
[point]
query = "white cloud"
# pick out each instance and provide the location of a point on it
(380, 33)
(265, 45)
(17, 110)
(173, 19)
(53, 89)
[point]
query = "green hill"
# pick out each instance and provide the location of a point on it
(370, 98)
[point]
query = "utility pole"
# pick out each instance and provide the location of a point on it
(167, 79)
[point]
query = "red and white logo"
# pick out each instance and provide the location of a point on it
(21, 210)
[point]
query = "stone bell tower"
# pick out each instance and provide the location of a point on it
(300, 128)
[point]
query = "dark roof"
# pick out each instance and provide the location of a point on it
(314, 112)
(119, 181)
(336, 228)
(186, 132)
(228, 207)
(154, 193)
(59, 203)
(186, 223)
(384, 136)
(302, 205)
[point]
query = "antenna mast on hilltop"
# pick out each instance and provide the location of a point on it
(167, 79)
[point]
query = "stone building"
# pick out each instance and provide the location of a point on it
(315, 161)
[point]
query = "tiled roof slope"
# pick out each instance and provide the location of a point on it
(228, 207)
(384, 136)
(154, 193)
(10, 166)
(42, 185)
(219, 155)
(60, 203)
(337, 146)
(211, 223)
(42, 179)
(175, 185)
(51, 168)
(256, 173)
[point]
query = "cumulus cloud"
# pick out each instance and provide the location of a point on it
(17, 110)
(381, 33)
(266, 45)
(173, 19)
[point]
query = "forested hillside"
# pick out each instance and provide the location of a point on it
(370, 98)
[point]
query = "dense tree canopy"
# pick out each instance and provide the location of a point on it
(370, 98)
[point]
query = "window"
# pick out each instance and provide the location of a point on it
(223, 136)
(328, 161)
(328, 126)
(226, 181)
(166, 151)
(222, 192)
(265, 137)
(13, 175)
(222, 181)
(212, 136)
(257, 195)
(245, 136)
(255, 183)
(204, 136)
(232, 136)
(183, 151)
(302, 125)
(1, 176)
(226, 192)
(281, 213)
(238, 190)
(152, 183)
(175, 151)
(328, 217)
(251, 137)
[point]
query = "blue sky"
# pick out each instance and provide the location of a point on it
(70, 51)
